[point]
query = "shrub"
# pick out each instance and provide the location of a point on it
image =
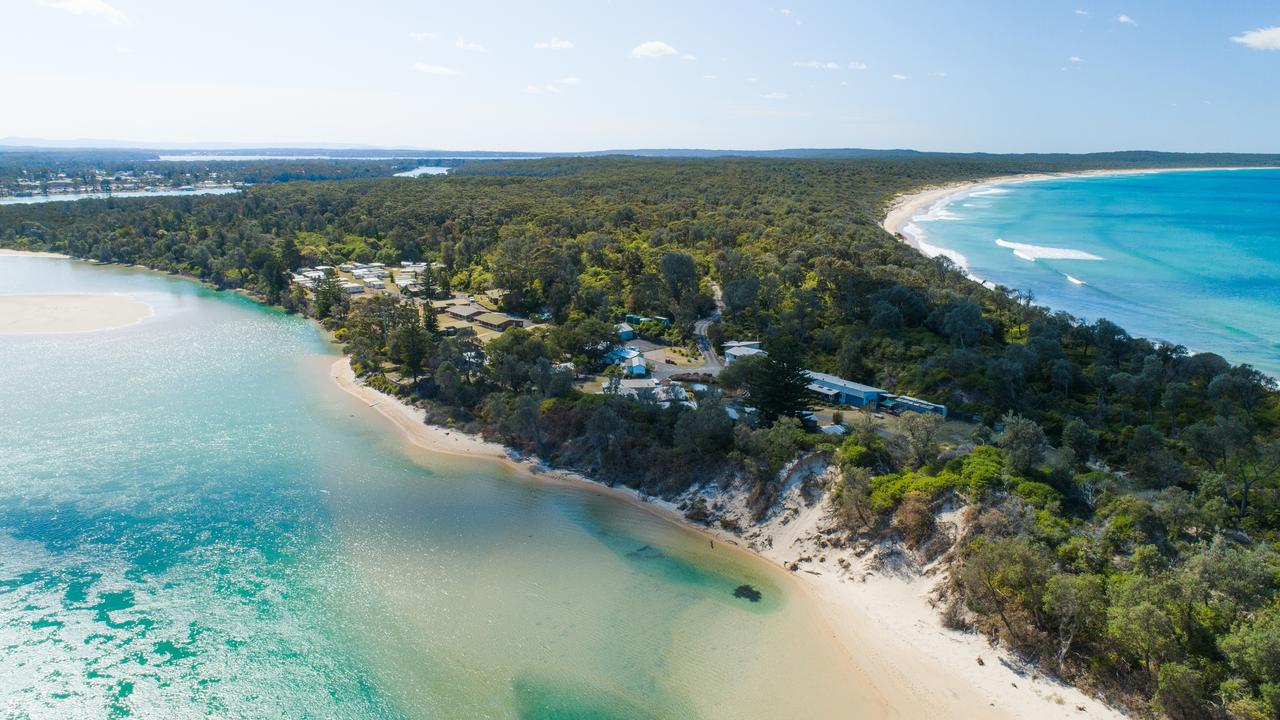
(983, 470)
(1038, 494)
(887, 491)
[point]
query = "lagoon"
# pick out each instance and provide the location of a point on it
(194, 522)
(66, 197)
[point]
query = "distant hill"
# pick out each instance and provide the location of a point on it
(107, 149)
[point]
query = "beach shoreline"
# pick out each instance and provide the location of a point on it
(886, 626)
(902, 208)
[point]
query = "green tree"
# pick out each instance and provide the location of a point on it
(1078, 606)
(1022, 441)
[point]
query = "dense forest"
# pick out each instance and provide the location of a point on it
(1121, 498)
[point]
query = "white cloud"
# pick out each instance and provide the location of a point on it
(1075, 59)
(774, 96)
(689, 57)
(440, 70)
(898, 76)
(124, 49)
(91, 8)
(570, 81)
(816, 65)
(708, 77)
(422, 36)
(785, 11)
(1125, 20)
(1260, 39)
(751, 79)
(473, 47)
(1082, 13)
(939, 74)
(857, 66)
(554, 43)
(652, 49)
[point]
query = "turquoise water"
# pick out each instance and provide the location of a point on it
(194, 522)
(1192, 258)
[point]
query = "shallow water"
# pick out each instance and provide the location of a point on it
(195, 522)
(1191, 258)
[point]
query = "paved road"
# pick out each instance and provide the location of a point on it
(711, 362)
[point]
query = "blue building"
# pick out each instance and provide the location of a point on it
(625, 332)
(838, 391)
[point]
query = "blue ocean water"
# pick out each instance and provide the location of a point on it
(195, 522)
(1191, 258)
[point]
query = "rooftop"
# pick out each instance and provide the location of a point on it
(840, 382)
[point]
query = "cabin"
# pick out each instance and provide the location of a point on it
(464, 312)
(638, 388)
(625, 331)
(905, 403)
(636, 366)
(374, 283)
(619, 355)
(496, 321)
(442, 306)
(838, 391)
(736, 349)
(352, 288)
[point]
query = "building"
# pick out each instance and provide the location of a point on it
(619, 355)
(374, 283)
(625, 331)
(496, 321)
(736, 349)
(464, 312)
(838, 391)
(905, 403)
(638, 388)
(636, 366)
(353, 288)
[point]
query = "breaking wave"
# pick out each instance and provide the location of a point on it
(1031, 253)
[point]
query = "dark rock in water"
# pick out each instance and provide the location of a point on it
(747, 593)
(646, 552)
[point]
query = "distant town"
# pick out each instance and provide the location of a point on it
(35, 183)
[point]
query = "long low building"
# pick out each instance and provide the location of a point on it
(906, 403)
(839, 391)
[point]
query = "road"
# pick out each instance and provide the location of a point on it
(711, 362)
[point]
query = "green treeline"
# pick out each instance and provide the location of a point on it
(1118, 526)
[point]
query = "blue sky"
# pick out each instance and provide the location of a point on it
(966, 76)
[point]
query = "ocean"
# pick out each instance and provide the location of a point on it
(1190, 258)
(196, 522)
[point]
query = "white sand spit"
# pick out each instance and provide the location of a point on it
(29, 314)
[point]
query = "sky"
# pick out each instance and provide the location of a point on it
(995, 76)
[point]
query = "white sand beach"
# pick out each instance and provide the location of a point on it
(38, 313)
(33, 253)
(907, 205)
(893, 636)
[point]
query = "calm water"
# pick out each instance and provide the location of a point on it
(66, 197)
(1188, 257)
(424, 170)
(195, 522)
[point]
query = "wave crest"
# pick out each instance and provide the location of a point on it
(1031, 253)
